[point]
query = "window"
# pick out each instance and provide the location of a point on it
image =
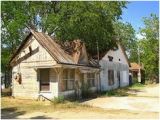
(110, 58)
(68, 79)
(91, 79)
(110, 77)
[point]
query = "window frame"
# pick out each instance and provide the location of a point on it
(91, 79)
(68, 79)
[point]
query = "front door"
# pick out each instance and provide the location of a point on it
(44, 80)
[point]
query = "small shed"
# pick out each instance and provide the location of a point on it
(138, 72)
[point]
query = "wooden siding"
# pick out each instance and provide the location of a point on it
(29, 72)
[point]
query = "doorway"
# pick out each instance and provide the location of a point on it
(44, 80)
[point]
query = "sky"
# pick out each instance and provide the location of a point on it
(136, 10)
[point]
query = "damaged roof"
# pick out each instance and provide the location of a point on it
(135, 66)
(54, 49)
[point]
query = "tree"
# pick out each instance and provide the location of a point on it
(126, 36)
(149, 46)
(91, 22)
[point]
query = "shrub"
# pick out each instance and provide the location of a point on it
(59, 99)
(85, 91)
(110, 93)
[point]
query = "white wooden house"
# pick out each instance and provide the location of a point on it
(114, 69)
(40, 66)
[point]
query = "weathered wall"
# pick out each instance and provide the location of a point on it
(80, 76)
(117, 54)
(29, 86)
(27, 65)
(119, 63)
(124, 74)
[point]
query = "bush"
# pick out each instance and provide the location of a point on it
(59, 99)
(137, 85)
(111, 93)
(85, 91)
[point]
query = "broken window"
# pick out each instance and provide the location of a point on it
(110, 58)
(68, 79)
(91, 79)
(110, 77)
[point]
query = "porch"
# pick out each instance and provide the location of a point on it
(67, 81)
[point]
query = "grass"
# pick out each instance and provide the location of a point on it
(136, 87)
(10, 104)
(116, 92)
(13, 107)
(59, 103)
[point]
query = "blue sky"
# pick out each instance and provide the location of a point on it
(136, 10)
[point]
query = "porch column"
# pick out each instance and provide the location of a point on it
(59, 78)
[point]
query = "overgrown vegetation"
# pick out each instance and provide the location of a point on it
(149, 47)
(59, 99)
(85, 91)
(124, 91)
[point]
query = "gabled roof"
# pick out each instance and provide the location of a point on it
(53, 48)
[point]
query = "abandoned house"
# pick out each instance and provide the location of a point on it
(114, 69)
(42, 67)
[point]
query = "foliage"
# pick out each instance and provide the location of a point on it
(126, 36)
(117, 92)
(59, 99)
(91, 22)
(137, 85)
(149, 47)
(85, 91)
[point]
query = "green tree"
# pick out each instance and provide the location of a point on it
(149, 46)
(91, 22)
(126, 35)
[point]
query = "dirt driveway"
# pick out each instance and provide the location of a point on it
(145, 100)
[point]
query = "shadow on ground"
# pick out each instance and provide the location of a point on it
(11, 113)
(41, 117)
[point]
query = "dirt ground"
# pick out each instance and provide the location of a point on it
(144, 100)
(142, 106)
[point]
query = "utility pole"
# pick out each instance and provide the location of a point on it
(139, 71)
